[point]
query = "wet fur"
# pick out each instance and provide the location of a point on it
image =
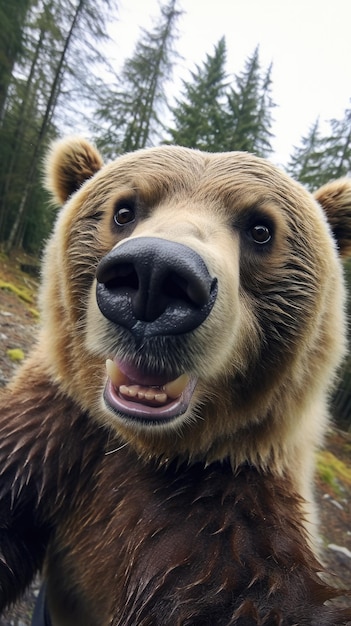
(202, 521)
(168, 545)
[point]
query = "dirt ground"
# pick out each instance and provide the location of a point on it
(18, 324)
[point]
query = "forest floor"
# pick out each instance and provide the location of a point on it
(18, 324)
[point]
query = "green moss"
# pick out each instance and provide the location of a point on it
(22, 292)
(15, 354)
(34, 312)
(332, 470)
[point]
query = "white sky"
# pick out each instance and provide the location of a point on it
(308, 41)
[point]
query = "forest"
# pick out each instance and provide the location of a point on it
(56, 77)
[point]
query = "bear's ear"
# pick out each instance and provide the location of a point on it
(335, 199)
(70, 162)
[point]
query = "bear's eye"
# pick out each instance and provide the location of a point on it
(260, 233)
(124, 215)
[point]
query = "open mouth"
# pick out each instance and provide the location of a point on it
(139, 395)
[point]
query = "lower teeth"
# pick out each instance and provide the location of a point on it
(138, 393)
(152, 395)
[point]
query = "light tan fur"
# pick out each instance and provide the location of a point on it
(199, 200)
(195, 511)
(67, 170)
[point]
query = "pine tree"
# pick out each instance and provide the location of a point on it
(322, 158)
(248, 117)
(198, 117)
(12, 17)
(263, 146)
(131, 111)
(215, 116)
(60, 40)
(338, 147)
(307, 161)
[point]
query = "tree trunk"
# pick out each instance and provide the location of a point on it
(55, 89)
(11, 44)
(18, 139)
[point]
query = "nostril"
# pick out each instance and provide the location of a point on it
(192, 292)
(174, 287)
(117, 276)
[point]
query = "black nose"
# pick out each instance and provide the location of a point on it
(154, 287)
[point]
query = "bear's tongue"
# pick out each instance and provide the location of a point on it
(138, 386)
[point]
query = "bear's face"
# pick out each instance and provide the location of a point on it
(208, 283)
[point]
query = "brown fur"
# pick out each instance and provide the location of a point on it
(160, 546)
(336, 201)
(70, 169)
(201, 520)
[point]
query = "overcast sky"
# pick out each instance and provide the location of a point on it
(308, 41)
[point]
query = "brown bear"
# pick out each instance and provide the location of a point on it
(172, 486)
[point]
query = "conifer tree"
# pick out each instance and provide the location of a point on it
(338, 147)
(61, 40)
(248, 116)
(12, 17)
(307, 161)
(130, 112)
(198, 117)
(217, 116)
(263, 146)
(322, 158)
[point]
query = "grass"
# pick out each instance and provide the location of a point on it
(333, 471)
